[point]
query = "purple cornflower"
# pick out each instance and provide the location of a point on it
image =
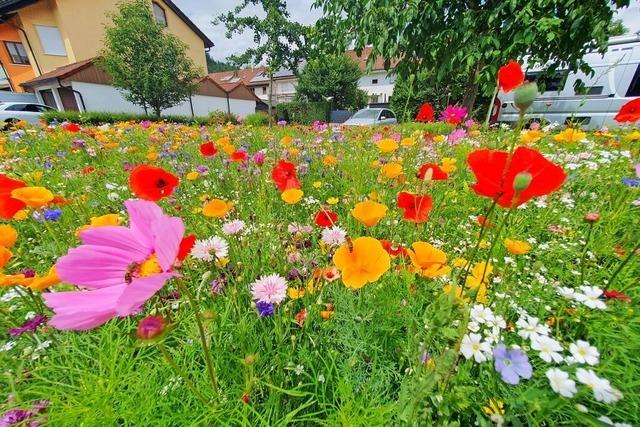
(29, 272)
(52, 214)
(202, 169)
(282, 122)
(511, 364)
(217, 285)
(265, 309)
(29, 326)
(258, 158)
(631, 182)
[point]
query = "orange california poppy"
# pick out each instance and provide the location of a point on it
(369, 212)
(362, 261)
(8, 235)
(428, 261)
(34, 197)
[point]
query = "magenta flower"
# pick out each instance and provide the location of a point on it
(453, 114)
(122, 267)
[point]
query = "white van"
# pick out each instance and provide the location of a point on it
(616, 80)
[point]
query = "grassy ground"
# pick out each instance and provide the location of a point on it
(364, 366)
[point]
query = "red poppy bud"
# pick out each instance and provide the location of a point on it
(521, 181)
(150, 327)
(592, 217)
(524, 96)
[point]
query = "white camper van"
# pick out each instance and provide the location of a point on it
(615, 82)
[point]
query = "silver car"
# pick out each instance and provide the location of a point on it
(12, 112)
(372, 117)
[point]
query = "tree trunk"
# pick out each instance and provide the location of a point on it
(270, 98)
(157, 112)
(472, 88)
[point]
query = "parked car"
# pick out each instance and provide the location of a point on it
(372, 117)
(615, 81)
(12, 112)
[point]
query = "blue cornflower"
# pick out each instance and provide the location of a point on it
(265, 309)
(52, 214)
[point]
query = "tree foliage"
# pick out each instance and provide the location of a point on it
(215, 66)
(472, 37)
(148, 64)
(279, 42)
(334, 76)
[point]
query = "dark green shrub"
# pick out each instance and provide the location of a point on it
(98, 118)
(222, 118)
(303, 112)
(256, 119)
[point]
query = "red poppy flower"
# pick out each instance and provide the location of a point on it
(425, 114)
(510, 76)
(185, 247)
(611, 294)
(495, 174)
(284, 175)
(208, 149)
(71, 127)
(239, 156)
(152, 183)
(437, 175)
(392, 249)
(483, 221)
(416, 208)
(8, 205)
(629, 112)
(325, 218)
(88, 170)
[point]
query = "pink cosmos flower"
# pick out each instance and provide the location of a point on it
(122, 267)
(453, 114)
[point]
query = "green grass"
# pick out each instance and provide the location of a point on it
(363, 367)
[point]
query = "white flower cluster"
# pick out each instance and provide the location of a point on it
(484, 328)
(590, 296)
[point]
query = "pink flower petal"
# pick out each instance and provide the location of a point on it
(141, 215)
(94, 266)
(117, 237)
(82, 310)
(168, 232)
(139, 291)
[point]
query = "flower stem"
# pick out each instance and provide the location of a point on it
(181, 373)
(203, 338)
(584, 253)
(621, 266)
(483, 229)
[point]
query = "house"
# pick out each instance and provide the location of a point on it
(82, 86)
(55, 33)
(376, 81)
(15, 67)
(284, 85)
(232, 79)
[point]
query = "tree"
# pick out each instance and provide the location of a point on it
(280, 43)
(215, 66)
(149, 65)
(335, 77)
(473, 37)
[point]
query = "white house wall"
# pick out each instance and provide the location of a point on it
(383, 87)
(107, 98)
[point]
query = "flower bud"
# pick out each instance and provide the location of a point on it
(521, 181)
(524, 96)
(592, 217)
(151, 327)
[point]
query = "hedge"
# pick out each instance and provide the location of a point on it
(303, 112)
(98, 118)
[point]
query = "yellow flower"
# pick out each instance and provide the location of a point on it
(317, 184)
(8, 235)
(479, 275)
(192, 176)
(407, 142)
(295, 293)
(474, 133)
(459, 262)
(387, 145)
(369, 212)
(633, 136)
(294, 152)
(373, 195)
(483, 244)
(531, 136)
(41, 283)
(216, 208)
(494, 407)
(332, 201)
(362, 261)
(517, 247)
(391, 170)
(34, 197)
(570, 135)
(427, 260)
(329, 160)
(286, 140)
(292, 195)
(20, 215)
(448, 164)
(439, 138)
(375, 164)
(152, 156)
(5, 254)
(459, 292)
(100, 221)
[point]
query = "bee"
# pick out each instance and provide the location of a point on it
(131, 269)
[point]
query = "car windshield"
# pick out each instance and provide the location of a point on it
(366, 114)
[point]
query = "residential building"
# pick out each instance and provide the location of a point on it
(15, 67)
(284, 85)
(377, 81)
(55, 33)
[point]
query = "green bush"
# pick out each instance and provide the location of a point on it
(98, 118)
(303, 112)
(256, 119)
(222, 118)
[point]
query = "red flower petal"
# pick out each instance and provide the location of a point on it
(629, 112)
(416, 208)
(185, 246)
(325, 218)
(437, 175)
(208, 149)
(510, 76)
(152, 183)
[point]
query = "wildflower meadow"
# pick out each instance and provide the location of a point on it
(432, 273)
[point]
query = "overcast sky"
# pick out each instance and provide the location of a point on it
(202, 12)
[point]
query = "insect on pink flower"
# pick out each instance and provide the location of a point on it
(122, 267)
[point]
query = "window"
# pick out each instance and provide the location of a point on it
(553, 83)
(15, 107)
(591, 90)
(634, 88)
(264, 90)
(17, 53)
(374, 81)
(51, 40)
(158, 13)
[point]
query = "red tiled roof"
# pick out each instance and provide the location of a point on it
(61, 72)
(245, 75)
(364, 56)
